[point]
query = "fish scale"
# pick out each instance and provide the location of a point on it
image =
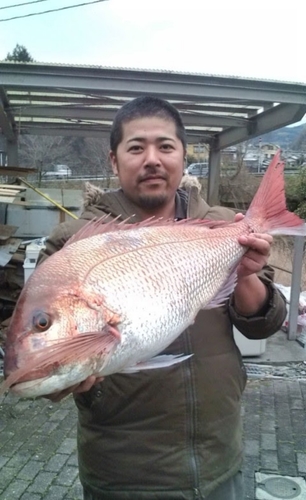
(154, 292)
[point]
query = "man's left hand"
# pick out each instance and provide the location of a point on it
(257, 255)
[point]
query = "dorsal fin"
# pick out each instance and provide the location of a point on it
(96, 226)
(100, 225)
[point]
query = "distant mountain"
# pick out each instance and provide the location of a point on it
(285, 137)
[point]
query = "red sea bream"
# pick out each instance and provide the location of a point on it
(116, 295)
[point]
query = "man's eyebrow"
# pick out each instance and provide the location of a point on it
(142, 139)
(166, 139)
(136, 139)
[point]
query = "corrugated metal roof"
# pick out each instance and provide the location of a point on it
(154, 70)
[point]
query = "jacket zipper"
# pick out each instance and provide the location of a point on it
(191, 421)
(190, 390)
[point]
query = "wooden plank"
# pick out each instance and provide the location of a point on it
(8, 192)
(16, 171)
(13, 186)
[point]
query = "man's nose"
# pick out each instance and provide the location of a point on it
(152, 156)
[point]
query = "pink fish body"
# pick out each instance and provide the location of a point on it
(117, 295)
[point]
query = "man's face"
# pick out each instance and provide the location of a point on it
(149, 161)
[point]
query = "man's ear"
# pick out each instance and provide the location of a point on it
(113, 160)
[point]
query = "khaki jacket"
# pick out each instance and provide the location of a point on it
(172, 433)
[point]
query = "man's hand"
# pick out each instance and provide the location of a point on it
(250, 293)
(257, 255)
(84, 386)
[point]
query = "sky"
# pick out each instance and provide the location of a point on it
(263, 39)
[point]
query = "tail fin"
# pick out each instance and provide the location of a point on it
(268, 212)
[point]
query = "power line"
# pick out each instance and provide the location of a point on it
(52, 10)
(21, 4)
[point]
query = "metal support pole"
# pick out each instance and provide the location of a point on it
(299, 242)
(12, 154)
(3, 148)
(214, 177)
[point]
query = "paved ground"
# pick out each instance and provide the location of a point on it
(38, 450)
(37, 441)
(275, 429)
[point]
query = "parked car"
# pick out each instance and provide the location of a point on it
(198, 169)
(58, 172)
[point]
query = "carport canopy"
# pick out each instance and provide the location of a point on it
(220, 111)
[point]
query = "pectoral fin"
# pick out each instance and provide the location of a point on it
(162, 361)
(225, 291)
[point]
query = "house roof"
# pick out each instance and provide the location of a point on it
(53, 99)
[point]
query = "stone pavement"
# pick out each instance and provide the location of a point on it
(38, 450)
(274, 429)
(38, 446)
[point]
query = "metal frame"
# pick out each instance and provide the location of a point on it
(45, 99)
(216, 110)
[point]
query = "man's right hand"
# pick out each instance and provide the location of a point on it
(84, 386)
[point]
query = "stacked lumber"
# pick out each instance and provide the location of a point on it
(8, 192)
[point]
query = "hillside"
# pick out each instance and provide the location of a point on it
(286, 137)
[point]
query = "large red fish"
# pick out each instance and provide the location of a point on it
(117, 295)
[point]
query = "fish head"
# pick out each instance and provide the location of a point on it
(43, 345)
(34, 325)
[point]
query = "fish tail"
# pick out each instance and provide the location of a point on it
(268, 212)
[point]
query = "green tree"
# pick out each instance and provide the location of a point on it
(300, 142)
(296, 192)
(301, 193)
(19, 54)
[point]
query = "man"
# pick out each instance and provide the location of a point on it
(172, 433)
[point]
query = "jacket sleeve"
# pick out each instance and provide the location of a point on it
(269, 319)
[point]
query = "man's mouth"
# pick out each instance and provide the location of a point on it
(152, 178)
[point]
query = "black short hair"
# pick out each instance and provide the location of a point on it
(143, 107)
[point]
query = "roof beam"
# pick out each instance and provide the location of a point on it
(272, 119)
(31, 98)
(99, 131)
(64, 132)
(119, 82)
(108, 114)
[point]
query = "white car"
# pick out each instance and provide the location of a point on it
(198, 169)
(58, 172)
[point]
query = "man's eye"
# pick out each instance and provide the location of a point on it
(135, 148)
(167, 146)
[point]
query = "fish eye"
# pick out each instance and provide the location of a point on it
(41, 321)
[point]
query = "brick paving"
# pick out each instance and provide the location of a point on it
(38, 450)
(274, 429)
(38, 441)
